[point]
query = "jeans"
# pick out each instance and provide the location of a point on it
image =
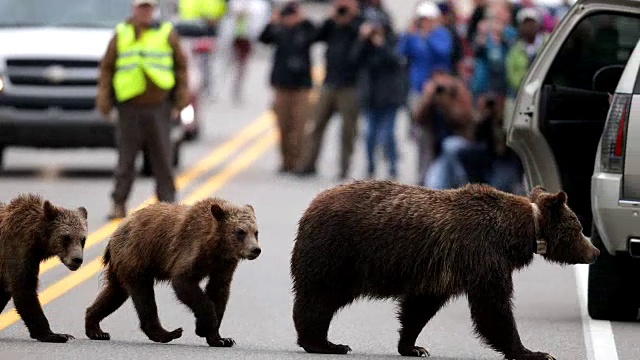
(447, 171)
(381, 131)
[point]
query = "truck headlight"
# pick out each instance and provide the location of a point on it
(187, 115)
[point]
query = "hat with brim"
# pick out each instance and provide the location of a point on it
(428, 10)
(145, 2)
(528, 14)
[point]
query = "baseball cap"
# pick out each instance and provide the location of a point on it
(145, 2)
(528, 13)
(428, 10)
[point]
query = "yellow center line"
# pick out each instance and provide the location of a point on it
(266, 120)
(243, 161)
(212, 160)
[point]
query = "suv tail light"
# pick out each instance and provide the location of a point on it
(614, 134)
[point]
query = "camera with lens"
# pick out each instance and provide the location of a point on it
(442, 90)
(342, 10)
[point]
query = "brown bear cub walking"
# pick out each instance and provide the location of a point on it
(422, 247)
(181, 244)
(33, 230)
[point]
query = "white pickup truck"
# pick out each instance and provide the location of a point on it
(48, 75)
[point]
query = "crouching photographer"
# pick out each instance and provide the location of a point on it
(446, 113)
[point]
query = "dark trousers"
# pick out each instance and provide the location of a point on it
(292, 109)
(144, 126)
(345, 101)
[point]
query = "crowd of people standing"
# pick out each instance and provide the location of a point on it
(458, 85)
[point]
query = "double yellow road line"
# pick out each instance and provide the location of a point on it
(263, 134)
(266, 134)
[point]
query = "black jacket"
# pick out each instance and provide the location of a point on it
(341, 71)
(292, 60)
(382, 83)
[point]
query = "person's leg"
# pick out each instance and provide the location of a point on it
(129, 142)
(157, 134)
(348, 107)
(388, 128)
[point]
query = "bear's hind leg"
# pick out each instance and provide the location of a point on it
(415, 312)
(144, 301)
(312, 316)
(493, 319)
(5, 296)
(112, 296)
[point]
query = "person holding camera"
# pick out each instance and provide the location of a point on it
(339, 90)
(426, 46)
(382, 89)
(446, 113)
(292, 35)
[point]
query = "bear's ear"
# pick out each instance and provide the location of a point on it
(218, 212)
(556, 200)
(536, 192)
(250, 208)
(50, 211)
(83, 212)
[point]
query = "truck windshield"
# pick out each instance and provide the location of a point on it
(81, 13)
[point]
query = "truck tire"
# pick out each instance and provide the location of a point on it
(612, 290)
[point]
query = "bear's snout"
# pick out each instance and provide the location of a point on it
(74, 263)
(590, 252)
(254, 253)
(594, 254)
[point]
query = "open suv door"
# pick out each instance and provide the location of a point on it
(559, 117)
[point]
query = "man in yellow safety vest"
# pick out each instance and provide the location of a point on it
(144, 74)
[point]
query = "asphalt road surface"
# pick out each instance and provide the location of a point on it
(237, 159)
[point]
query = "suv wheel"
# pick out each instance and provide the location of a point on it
(611, 291)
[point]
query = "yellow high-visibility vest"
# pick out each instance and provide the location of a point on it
(151, 54)
(201, 9)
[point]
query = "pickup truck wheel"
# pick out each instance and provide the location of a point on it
(612, 293)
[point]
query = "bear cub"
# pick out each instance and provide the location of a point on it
(33, 230)
(380, 240)
(180, 244)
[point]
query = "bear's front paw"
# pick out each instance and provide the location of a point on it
(98, 335)
(220, 342)
(415, 351)
(54, 338)
(532, 356)
(203, 328)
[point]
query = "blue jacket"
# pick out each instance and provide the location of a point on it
(426, 54)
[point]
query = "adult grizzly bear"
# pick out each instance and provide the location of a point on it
(33, 230)
(422, 247)
(181, 244)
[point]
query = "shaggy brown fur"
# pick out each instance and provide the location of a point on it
(33, 230)
(424, 247)
(181, 244)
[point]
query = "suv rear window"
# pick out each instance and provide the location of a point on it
(599, 40)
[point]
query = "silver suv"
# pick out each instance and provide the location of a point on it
(576, 127)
